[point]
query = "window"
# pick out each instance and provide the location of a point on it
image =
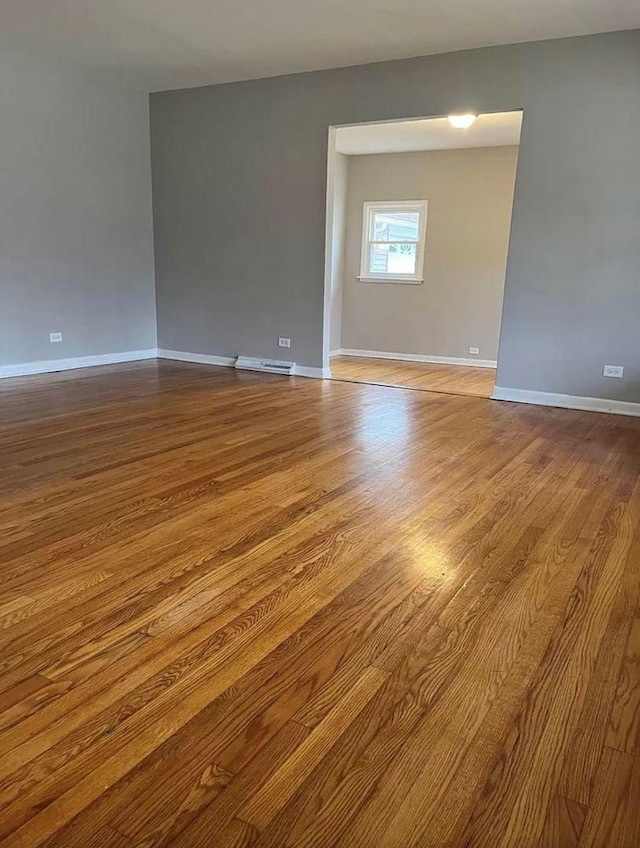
(393, 235)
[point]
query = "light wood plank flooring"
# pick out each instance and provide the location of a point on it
(246, 610)
(451, 379)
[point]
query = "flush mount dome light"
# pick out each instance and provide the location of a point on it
(462, 122)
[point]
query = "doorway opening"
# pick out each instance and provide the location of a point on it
(418, 223)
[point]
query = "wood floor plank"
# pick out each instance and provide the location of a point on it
(564, 824)
(576, 779)
(238, 834)
(624, 727)
(241, 609)
(264, 806)
(239, 724)
(204, 831)
(234, 598)
(454, 379)
(613, 817)
(492, 747)
(324, 806)
(418, 785)
(154, 811)
(16, 695)
(255, 635)
(517, 801)
(369, 767)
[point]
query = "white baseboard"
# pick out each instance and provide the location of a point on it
(230, 361)
(47, 366)
(202, 358)
(417, 357)
(587, 404)
(316, 373)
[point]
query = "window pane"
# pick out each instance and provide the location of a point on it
(395, 226)
(392, 258)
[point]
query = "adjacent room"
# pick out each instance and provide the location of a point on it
(319, 424)
(422, 216)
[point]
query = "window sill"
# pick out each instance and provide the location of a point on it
(393, 280)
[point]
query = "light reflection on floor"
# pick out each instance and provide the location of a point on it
(384, 417)
(430, 557)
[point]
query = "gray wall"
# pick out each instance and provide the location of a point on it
(239, 175)
(76, 250)
(470, 197)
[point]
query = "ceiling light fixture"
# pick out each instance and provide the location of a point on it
(462, 122)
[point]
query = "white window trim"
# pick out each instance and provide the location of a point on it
(371, 206)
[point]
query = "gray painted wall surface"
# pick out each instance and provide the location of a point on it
(76, 250)
(239, 176)
(470, 197)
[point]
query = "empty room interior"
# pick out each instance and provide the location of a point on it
(421, 215)
(319, 424)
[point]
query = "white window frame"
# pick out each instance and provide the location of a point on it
(370, 207)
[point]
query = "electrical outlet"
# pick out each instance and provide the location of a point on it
(282, 342)
(613, 371)
(55, 337)
(474, 350)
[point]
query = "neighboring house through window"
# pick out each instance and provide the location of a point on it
(393, 236)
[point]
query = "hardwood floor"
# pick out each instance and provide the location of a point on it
(451, 379)
(246, 610)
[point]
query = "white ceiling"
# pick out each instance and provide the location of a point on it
(158, 44)
(494, 130)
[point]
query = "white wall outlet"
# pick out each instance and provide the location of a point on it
(282, 342)
(613, 371)
(474, 350)
(55, 337)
